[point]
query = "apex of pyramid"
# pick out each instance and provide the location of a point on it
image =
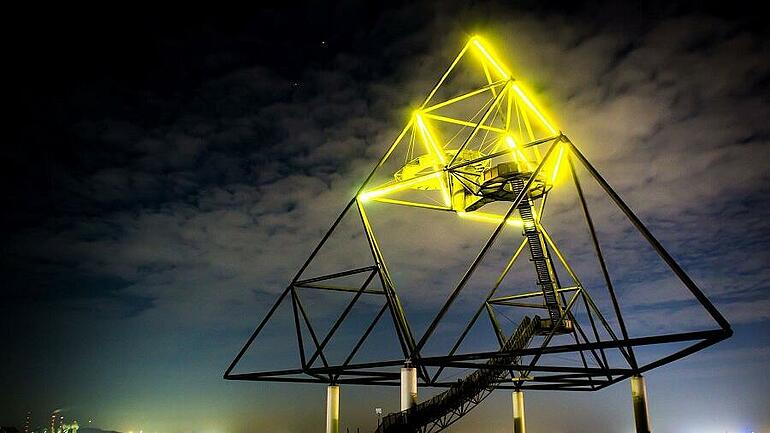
(474, 126)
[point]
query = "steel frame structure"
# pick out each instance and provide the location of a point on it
(447, 172)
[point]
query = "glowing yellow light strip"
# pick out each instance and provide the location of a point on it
(527, 125)
(556, 166)
(459, 98)
(500, 70)
(523, 157)
(489, 218)
(511, 144)
(509, 97)
(489, 77)
(534, 109)
(409, 203)
(395, 143)
(524, 116)
(430, 144)
(495, 104)
(464, 123)
(399, 186)
(508, 111)
(446, 74)
(519, 153)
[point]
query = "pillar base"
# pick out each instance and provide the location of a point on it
(519, 424)
(408, 387)
(639, 400)
(333, 409)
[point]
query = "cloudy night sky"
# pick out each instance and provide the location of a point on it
(165, 173)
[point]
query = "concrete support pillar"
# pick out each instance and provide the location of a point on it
(333, 409)
(639, 400)
(408, 387)
(519, 424)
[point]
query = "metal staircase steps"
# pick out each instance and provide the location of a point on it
(443, 409)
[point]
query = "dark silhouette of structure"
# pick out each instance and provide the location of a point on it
(507, 153)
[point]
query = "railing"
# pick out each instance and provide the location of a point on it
(463, 391)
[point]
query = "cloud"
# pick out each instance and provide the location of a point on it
(229, 194)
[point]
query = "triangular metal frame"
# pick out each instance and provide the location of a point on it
(587, 342)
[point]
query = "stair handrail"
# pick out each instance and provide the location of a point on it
(425, 409)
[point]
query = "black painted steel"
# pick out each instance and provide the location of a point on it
(521, 362)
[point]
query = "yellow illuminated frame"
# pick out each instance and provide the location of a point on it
(509, 102)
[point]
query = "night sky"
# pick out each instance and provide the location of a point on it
(165, 172)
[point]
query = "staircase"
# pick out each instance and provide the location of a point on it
(504, 182)
(546, 277)
(439, 412)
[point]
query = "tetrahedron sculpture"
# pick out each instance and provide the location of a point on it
(481, 151)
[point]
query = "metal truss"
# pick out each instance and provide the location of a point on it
(508, 126)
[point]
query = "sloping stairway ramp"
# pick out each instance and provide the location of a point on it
(442, 410)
